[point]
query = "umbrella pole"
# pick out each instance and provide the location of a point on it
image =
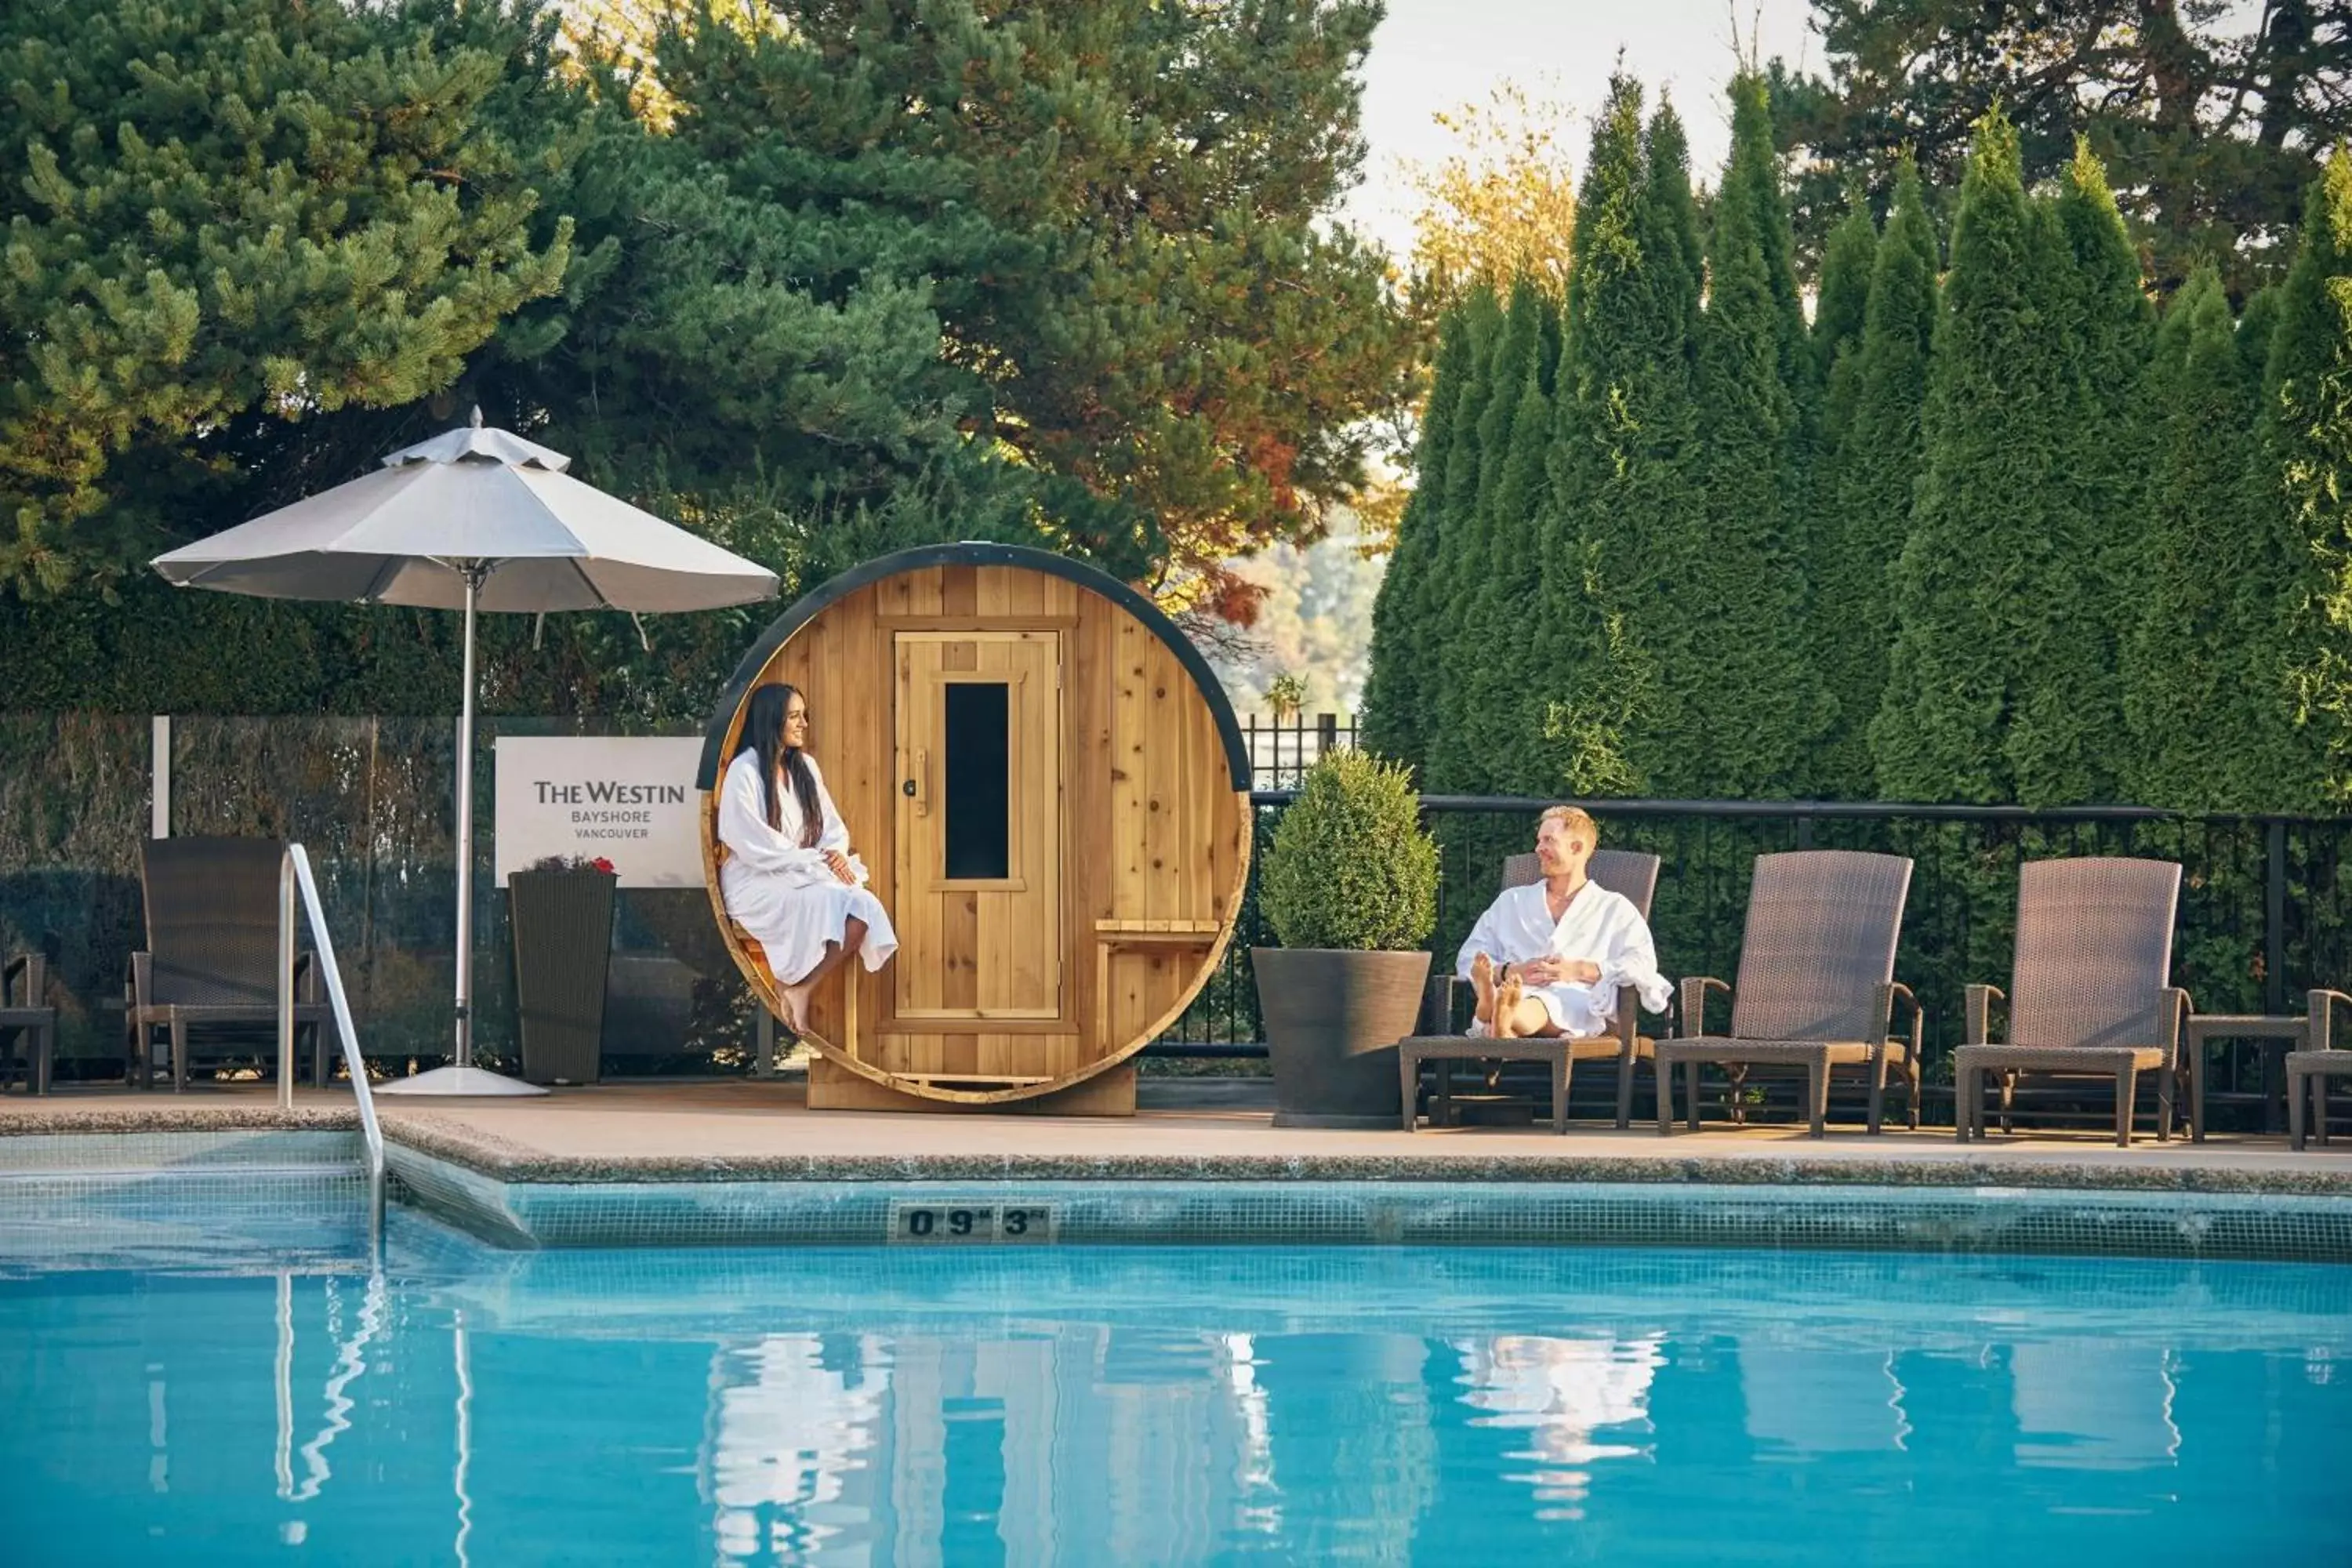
(462, 1077)
(465, 1056)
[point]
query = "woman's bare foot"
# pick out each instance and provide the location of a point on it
(1482, 977)
(1507, 1008)
(797, 1005)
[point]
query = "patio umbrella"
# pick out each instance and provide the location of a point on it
(472, 519)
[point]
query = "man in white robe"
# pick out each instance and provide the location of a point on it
(1548, 958)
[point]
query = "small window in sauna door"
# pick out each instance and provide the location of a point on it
(979, 852)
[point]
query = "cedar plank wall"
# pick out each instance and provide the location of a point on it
(1152, 827)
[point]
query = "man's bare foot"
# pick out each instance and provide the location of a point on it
(1482, 977)
(1507, 1008)
(796, 1006)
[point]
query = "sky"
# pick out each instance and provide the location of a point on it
(1434, 55)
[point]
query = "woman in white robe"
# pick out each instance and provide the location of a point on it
(790, 879)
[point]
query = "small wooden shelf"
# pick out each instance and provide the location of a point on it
(1113, 934)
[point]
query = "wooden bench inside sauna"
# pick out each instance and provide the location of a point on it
(1052, 798)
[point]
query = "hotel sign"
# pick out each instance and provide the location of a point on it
(629, 800)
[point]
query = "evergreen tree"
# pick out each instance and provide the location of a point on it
(1877, 467)
(1393, 685)
(1841, 313)
(1754, 181)
(221, 211)
(1503, 673)
(2308, 427)
(2068, 707)
(1459, 746)
(2256, 324)
(882, 243)
(2213, 114)
(1435, 610)
(1624, 425)
(1465, 461)
(1741, 680)
(2207, 709)
(1840, 319)
(1999, 387)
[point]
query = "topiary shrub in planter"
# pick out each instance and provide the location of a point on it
(1349, 885)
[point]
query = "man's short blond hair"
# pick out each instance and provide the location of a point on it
(1572, 817)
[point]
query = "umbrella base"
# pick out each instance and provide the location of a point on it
(478, 1082)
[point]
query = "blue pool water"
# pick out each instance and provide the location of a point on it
(1134, 1406)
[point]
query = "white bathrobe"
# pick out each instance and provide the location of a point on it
(1598, 926)
(783, 894)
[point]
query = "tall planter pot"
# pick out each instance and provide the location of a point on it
(1332, 1023)
(562, 944)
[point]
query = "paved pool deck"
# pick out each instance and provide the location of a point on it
(1185, 1129)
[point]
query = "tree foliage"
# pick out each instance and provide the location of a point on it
(872, 274)
(1980, 547)
(1404, 645)
(1741, 677)
(2212, 117)
(2068, 703)
(1618, 482)
(2307, 456)
(220, 211)
(2211, 728)
(1867, 517)
(1502, 207)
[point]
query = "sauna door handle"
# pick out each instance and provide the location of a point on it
(918, 788)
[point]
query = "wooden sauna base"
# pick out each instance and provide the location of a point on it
(834, 1088)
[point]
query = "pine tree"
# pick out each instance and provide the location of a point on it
(1997, 389)
(221, 210)
(1877, 469)
(2307, 450)
(1393, 722)
(1624, 424)
(2069, 704)
(1741, 682)
(1459, 749)
(2208, 711)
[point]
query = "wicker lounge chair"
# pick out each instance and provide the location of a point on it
(1627, 872)
(211, 953)
(2089, 995)
(2308, 1070)
(1816, 987)
(24, 1017)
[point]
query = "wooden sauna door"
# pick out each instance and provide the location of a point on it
(979, 858)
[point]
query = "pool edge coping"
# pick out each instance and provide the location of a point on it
(500, 1160)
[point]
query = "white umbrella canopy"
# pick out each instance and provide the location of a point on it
(471, 497)
(475, 518)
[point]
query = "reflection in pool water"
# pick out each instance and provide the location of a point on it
(1140, 1405)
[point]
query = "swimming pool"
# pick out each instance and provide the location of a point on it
(1148, 1404)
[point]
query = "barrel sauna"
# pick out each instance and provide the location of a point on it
(1052, 798)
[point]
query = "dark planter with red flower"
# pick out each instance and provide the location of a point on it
(562, 916)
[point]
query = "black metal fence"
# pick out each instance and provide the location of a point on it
(1283, 746)
(2263, 909)
(2263, 914)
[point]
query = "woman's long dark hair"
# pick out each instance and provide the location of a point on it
(763, 736)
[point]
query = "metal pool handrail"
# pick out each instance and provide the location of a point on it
(294, 873)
